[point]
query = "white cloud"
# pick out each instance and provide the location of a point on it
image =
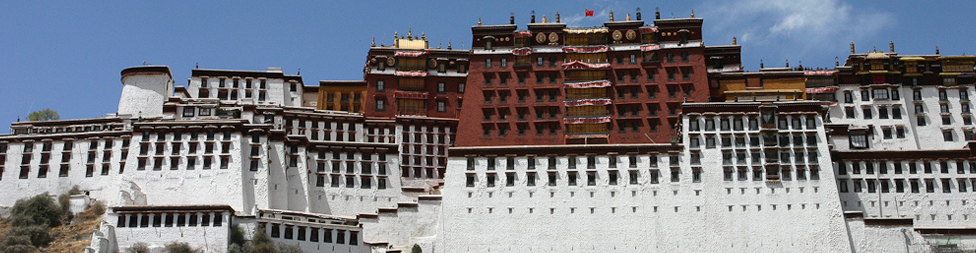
(792, 28)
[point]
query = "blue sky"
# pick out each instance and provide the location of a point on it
(67, 55)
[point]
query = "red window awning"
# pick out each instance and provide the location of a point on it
(522, 51)
(650, 48)
(410, 53)
(583, 65)
(586, 102)
(593, 84)
(521, 34)
(411, 73)
(596, 49)
(410, 94)
(822, 90)
(646, 30)
(597, 120)
(820, 73)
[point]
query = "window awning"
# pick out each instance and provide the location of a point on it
(820, 73)
(583, 65)
(596, 49)
(822, 90)
(586, 120)
(410, 94)
(650, 48)
(410, 53)
(521, 34)
(591, 84)
(586, 102)
(522, 51)
(411, 73)
(646, 30)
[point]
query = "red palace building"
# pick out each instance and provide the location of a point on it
(623, 82)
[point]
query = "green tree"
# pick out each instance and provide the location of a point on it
(41, 209)
(43, 115)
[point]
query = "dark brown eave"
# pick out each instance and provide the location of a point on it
(170, 208)
(342, 83)
(789, 106)
(148, 69)
(946, 231)
(623, 24)
(902, 154)
(544, 150)
(493, 28)
(546, 26)
(678, 23)
(66, 122)
(245, 73)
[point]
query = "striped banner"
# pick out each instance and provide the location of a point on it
(522, 34)
(592, 84)
(410, 54)
(650, 48)
(522, 51)
(583, 65)
(596, 49)
(586, 102)
(820, 73)
(411, 73)
(410, 94)
(597, 120)
(822, 90)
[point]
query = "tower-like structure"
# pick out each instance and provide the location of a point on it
(144, 90)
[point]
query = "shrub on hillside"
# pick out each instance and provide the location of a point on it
(138, 248)
(41, 209)
(178, 247)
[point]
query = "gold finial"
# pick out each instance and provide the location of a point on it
(628, 16)
(611, 15)
(479, 21)
(692, 12)
(891, 46)
(734, 42)
(410, 33)
(761, 65)
(511, 18)
(852, 47)
(423, 35)
(787, 63)
(557, 17)
(374, 42)
(448, 43)
(543, 18)
(936, 49)
(836, 61)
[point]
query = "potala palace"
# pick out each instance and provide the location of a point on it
(633, 136)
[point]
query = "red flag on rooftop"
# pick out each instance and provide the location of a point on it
(589, 13)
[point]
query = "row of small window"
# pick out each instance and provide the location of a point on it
(330, 125)
(418, 65)
(191, 163)
(552, 77)
(222, 94)
(554, 94)
(42, 170)
(337, 236)
(176, 148)
(417, 172)
(424, 160)
(381, 87)
(542, 112)
(783, 157)
(221, 83)
(27, 158)
(436, 148)
(572, 178)
(336, 181)
(739, 141)
(737, 123)
(204, 219)
(571, 162)
(771, 173)
(899, 186)
(365, 168)
(893, 94)
(67, 146)
(338, 156)
(178, 136)
(898, 167)
(380, 105)
(943, 108)
(542, 128)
